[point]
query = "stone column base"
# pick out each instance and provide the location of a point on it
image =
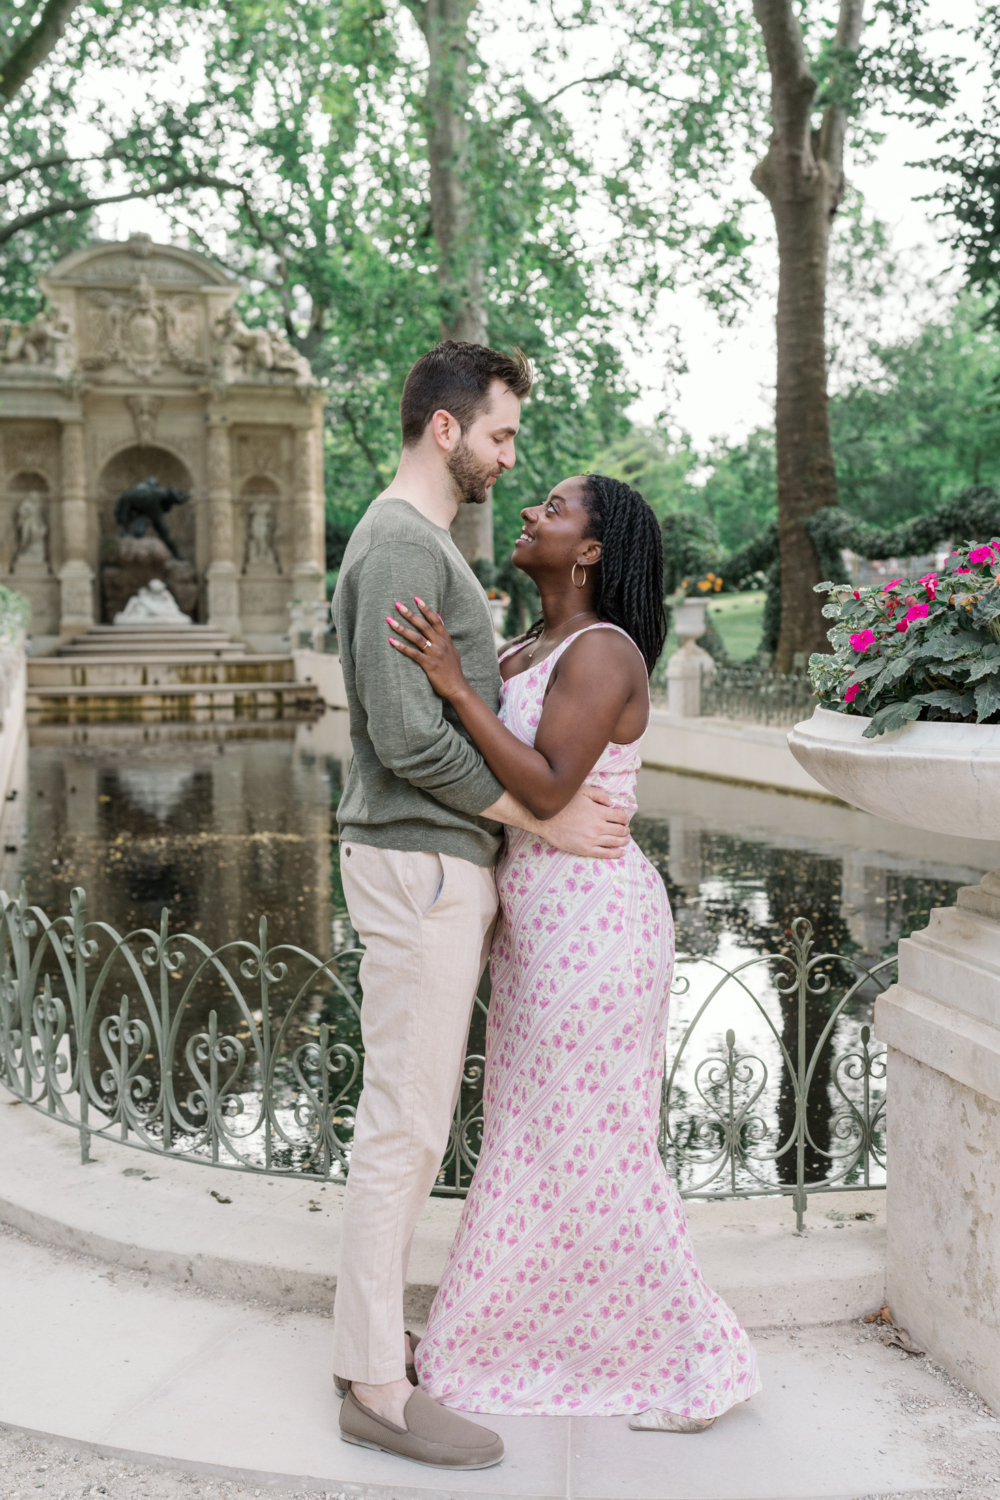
(942, 1027)
(685, 671)
(76, 598)
(308, 584)
(223, 597)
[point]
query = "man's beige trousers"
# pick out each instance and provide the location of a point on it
(426, 921)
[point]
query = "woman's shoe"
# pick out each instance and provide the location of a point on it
(655, 1420)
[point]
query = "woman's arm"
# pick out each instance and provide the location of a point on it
(592, 685)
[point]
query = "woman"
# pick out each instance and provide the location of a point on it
(572, 1285)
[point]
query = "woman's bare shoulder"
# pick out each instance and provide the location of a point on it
(605, 648)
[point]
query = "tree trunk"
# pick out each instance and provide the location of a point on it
(802, 177)
(445, 25)
(806, 477)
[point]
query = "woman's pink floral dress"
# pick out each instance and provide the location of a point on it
(572, 1285)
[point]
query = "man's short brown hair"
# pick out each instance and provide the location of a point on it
(456, 378)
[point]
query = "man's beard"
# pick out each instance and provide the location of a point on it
(469, 475)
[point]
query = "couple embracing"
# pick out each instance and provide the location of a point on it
(485, 819)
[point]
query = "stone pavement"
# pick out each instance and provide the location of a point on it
(185, 1392)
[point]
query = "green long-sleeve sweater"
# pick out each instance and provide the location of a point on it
(416, 780)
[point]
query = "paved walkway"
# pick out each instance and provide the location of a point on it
(133, 1365)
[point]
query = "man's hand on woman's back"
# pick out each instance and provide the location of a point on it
(588, 825)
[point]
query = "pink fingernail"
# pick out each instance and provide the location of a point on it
(399, 606)
(418, 601)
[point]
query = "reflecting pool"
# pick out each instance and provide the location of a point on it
(225, 827)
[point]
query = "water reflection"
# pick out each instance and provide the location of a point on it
(740, 866)
(224, 827)
(221, 830)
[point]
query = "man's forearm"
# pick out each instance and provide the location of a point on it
(507, 809)
(587, 826)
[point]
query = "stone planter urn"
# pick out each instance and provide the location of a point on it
(941, 1024)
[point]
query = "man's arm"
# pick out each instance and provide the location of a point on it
(588, 825)
(406, 722)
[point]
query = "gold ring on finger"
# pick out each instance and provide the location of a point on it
(427, 645)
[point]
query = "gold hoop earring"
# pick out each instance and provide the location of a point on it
(576, 585)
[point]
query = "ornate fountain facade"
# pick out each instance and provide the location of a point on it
(139, 367)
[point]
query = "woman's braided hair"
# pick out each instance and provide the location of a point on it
(630, 576)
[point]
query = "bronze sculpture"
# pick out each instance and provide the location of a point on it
(143, 506)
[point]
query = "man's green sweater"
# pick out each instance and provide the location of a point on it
(416, 780)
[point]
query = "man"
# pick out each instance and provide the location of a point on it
(420, 824)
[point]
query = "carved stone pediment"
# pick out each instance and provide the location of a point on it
(121, 264)
(123, 270)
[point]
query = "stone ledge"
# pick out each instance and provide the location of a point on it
(279, 1239)
(953, 1043)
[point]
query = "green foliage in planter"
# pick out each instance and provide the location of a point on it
(929, 649)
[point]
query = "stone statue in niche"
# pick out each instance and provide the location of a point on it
(152, 605)
(143, 506)
(255, 353)
(32, 530)
(260, 535)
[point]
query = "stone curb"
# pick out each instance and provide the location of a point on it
(278, 1239)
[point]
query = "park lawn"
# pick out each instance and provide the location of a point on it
(739, 619)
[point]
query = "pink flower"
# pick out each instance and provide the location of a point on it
(862, 639)
(963, 570)
(916, 612)
(902, 625)
(893, 584)
(856, 594)
(852, 692)
(980, 555)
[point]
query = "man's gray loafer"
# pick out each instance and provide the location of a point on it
(432, 1435)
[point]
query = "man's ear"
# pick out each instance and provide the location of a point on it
(446, 430)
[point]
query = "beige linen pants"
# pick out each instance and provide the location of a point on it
(426, 921)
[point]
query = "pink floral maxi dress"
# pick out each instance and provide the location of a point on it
(572, 1285)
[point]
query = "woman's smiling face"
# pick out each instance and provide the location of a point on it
(552, 535)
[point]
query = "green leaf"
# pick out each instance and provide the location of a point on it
(867, 669)
(893, 716)
(949, 699)
(987, 699)
(948, 646)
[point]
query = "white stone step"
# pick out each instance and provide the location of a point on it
(171, 667)
(200, 701)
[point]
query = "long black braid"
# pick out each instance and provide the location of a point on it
(630, 575)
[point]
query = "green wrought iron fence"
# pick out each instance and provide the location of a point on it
(752, 693)
(248, 1057)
